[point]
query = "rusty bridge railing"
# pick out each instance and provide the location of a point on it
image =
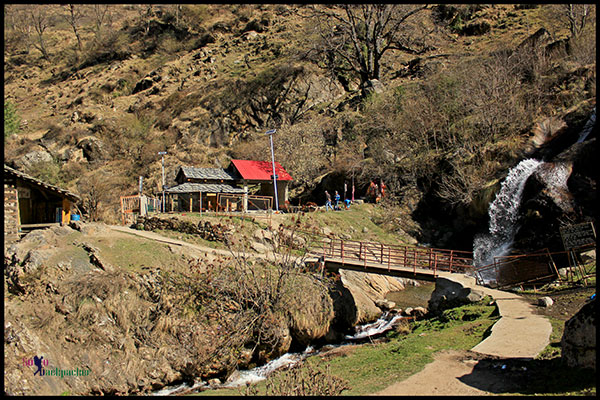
(392, 256)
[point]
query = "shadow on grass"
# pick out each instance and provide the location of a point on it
(527, 377)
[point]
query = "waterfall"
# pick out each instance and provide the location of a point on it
(503, 212)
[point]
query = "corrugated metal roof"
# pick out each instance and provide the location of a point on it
(260, 170)
(207, 173)
(190, 187)
(70, 195)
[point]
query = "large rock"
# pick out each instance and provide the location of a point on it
(93, 148)
(579, 338)
(32, 158)
(365, 289)
(450, 294)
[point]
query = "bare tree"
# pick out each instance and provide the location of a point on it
(39, 20)
(577, 16)
(101, 15)
(72, 17)
(146, 12)
(354, 38)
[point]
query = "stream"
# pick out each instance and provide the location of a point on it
(411, 296)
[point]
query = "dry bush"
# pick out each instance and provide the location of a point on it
(301, 380)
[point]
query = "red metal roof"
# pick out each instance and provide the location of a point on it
(260, 170)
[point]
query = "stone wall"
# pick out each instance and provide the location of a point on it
(11, 210)
(206, 230)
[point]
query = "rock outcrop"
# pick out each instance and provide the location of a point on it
(579, 338)
(365, 290)
(450, 294)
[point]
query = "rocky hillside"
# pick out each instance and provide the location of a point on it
(97, 91)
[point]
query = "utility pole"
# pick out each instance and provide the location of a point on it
(270, 133)
(162, 153)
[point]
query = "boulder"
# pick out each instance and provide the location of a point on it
(450, 294)
(93, 148)
(578, 342)
(545, 301)
(33, 158)
(385, 305)
(364, 289)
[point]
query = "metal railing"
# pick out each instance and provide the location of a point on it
(532, 268)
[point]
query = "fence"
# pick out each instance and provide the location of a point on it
(232, 204)
(531, 269)
(517, 270)
(137, 205)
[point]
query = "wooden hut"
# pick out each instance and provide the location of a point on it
(197, 188)
(30, 203)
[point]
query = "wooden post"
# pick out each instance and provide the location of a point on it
(200, 203)
(66, 211)
(191, 200)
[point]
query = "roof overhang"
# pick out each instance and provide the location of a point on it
(61, 192)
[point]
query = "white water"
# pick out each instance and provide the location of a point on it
(262, 372)
(239, 378)
(503, 212)
(384, 323)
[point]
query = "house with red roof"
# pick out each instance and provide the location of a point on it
(260, 173)
(200, 188)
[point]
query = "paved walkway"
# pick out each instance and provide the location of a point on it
(520, 332)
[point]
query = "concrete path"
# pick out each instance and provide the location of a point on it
(520, 332)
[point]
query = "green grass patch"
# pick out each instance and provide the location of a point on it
(133, 253)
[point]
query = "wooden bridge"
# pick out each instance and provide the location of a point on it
(414, 262)
(424, 263)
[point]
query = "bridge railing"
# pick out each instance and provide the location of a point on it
(355, 252)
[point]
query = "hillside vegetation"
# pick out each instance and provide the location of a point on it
(93, 92)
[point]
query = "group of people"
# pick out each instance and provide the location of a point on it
(376, 192)
(336, 205)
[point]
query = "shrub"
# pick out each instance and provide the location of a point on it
(12, 121)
